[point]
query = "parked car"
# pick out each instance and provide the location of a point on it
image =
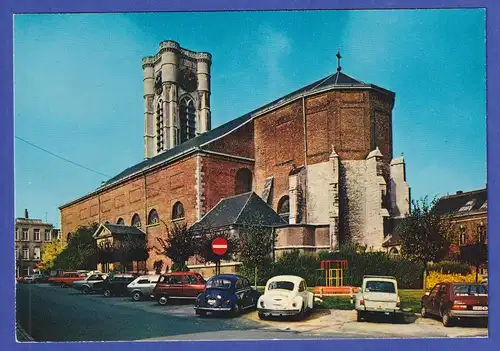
(33, 279)
(143, 286)
(115, 285)
(178, 285)
(86, 285)
(377, 296)
(227, 293)
(285, 295)
(66, 279)
(456, 300)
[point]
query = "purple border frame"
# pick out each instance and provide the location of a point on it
(10, 7)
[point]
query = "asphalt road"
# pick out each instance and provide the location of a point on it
(51, 313)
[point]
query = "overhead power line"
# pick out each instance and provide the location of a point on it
(62, 158)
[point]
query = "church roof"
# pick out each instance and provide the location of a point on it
(242, 209)
(463, 203)
(337, 80)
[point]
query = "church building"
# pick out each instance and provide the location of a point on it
(320, 157)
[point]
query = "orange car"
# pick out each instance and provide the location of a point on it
(66, 279)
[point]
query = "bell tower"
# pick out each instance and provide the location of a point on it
(176, 97)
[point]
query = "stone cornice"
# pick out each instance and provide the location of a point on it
(172, 46)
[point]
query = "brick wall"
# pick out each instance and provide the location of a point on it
(164, 187)
(219, 178)
(238, 143)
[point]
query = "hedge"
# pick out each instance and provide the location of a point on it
(450, 267)
(307, 265)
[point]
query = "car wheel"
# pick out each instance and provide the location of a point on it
(360, 316)
(236, 310)
(300, 316)
(447, 320)
(423, 312)
(136, 296)
(261, 316)
(163, 300)
(201, 313)
(107, 293)
(85, 290)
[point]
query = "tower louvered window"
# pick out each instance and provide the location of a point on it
(187, 114)
(160, 138)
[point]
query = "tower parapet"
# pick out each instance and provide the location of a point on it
(176, 96)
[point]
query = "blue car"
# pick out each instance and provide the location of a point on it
(227, 293)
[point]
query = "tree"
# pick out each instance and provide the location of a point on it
(81, 250)
(204, 241)
(474, 254)
(129, 248)
(256, 245)
(426, 235)
(50, 252)
(177, 244)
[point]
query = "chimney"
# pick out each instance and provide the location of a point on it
(460, 192)
(26, 213)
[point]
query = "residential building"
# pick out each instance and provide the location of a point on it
(30, 237)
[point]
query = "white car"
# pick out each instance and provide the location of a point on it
(142, 286)
(378, 295)
(285, 295)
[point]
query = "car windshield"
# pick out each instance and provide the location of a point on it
(200, 278)
(379, 286)
(219, 284)
(280, 285)
(466, 290)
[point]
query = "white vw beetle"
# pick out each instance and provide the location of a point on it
(285, 295)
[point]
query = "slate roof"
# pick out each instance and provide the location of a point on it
(117, 229)
(337, 80)
(239, 210)
(452, 204)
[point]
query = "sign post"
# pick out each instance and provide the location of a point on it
(219, 248)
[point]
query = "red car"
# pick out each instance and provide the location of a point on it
(178, 285)
(452, 301)
(67, 278)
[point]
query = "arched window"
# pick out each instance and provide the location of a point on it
(153, 217)
(159, 127)
(243, 181)
(187, 119)
(462, 235)
(393, 251)
(68, 237)
(136, 221)
(120, 221)
(284, 207)
(107, 222)
(177, 211)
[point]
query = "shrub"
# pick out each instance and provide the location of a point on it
(304, 265)
(435, 277)
(266, 270)
(450, 267)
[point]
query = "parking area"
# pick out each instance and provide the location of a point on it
(178, 321)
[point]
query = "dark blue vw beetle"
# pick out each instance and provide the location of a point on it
(227, 293)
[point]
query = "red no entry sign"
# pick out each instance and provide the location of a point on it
(219, 246)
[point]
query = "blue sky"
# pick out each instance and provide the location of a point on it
(78, 86)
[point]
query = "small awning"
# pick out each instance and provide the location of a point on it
(116, 230)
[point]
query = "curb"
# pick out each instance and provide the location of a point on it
(22, 335)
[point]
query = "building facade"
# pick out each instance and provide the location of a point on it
(321, 157)
(31, 235)
(467, 212)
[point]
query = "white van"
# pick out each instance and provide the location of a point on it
(378, 295)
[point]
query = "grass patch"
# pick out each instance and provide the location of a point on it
(411, 299)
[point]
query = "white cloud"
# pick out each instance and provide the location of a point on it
(274, 46)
